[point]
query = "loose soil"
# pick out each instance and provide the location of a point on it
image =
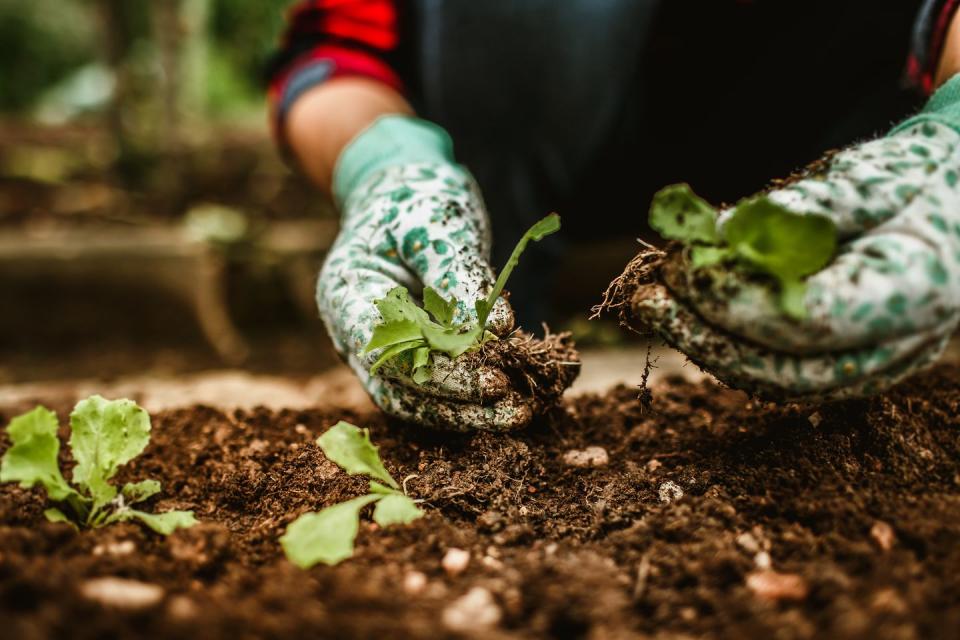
(855, 508)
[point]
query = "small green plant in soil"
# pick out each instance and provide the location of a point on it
(104, 435)
(760, 235)
(327, 536)
(411, 335)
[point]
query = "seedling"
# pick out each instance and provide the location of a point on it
(327, 536)
(760, 235)
(410, 335)
(104, 435)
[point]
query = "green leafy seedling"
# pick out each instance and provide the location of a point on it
(410, 335)
(104, 435)
(328, 535)
(760, 235)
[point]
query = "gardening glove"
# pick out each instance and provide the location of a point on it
(411, 216)
(883, 308)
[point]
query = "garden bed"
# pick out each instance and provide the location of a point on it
(712, 516)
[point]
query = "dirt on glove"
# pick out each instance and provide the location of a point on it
(700, 514)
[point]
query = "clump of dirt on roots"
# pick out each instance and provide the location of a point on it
(540, 368)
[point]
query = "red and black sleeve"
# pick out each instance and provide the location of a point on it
(325, 39)
(929, 38)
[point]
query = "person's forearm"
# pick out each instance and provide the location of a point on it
(949, 64)
(326, 118)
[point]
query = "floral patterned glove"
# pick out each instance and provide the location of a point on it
(413, 217)
(886, 305)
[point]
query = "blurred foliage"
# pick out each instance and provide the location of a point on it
(45, 42)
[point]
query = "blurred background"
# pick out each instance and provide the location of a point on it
(149, 228)
(146, 221)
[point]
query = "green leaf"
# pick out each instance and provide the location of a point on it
(778, 241)
(376, 487)
(543, 228)
(134, 492)
(326, 536)
(422, 371)
(396, 509)
(783, 244)
(55, 515)
(163, 523)
(393, 333)
(392, 352)
(397, 306)
(33, 457)
(453, 342)
(701, 256)
(349, 446)
(441, 309)
(105, 435)
(678, 214)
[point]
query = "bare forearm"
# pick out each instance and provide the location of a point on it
(949, 64)
(326, 118)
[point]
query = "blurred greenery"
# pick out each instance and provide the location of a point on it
(47, 45)
(43, 41)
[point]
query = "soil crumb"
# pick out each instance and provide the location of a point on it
(770, 526)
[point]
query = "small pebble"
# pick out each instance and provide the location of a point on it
(748, 542)
(122, 548)
(670, 492)
(121, 592)
(653, 464)
(773, 586)
(455, 561)
(763, 560)
(474, 610)
(181, 608)
(815, 419)
(589, 457)
(414, 583)
(883, 534)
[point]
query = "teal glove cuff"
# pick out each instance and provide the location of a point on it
(389, 141)
(943, 107)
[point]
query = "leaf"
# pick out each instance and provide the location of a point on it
(105, 435)
(422, 371)
(397, 306)
(392, 352)
(678, 214)
(55, 515)
(376, 487)
(163, 523)
(701, 256)
(392, 333)
(396, 509)
(778, 241)
(33, 457)
(452, 342)
(543, 228)
(442, 310)
(134, 492)
(349, 446)
(326, 536)
(783, 244)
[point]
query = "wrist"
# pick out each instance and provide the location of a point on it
(390, 141)
(943, 107)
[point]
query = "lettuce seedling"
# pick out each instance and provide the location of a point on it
(104, 435)
(413, 334)
(327, 536)
(760, 235)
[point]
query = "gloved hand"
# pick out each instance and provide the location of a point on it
(886, 305)
(412, 217)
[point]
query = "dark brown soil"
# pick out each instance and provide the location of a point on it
(607, 552)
